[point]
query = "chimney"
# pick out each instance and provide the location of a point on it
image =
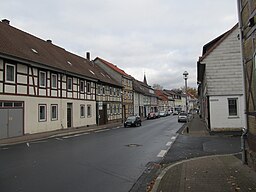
(49, 41)
(6, 21)
(88, 56)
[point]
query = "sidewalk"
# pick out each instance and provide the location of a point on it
(211, 174)
(215, 173)
(57, 133)
(196, 127)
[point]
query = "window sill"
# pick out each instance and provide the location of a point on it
(233, 117)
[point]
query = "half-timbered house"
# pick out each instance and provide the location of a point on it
(43, 87)
(247, 26)
(126, 80)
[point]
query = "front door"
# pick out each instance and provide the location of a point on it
(69, 114)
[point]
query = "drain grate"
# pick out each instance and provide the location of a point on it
(133, 145)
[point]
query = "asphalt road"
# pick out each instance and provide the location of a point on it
(109, 160)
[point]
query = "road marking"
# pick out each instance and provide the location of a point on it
(69, 136)
(60, 139)
(101, 130)
(173, 138)
(162, 153)
(169, 143)
(115, 128)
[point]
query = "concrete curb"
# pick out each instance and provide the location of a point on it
(159, 178)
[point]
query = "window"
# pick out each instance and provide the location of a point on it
(98, 90)
(114, 91)
(42, 112)
(81, 86)
(89, 111)
(110, 91)
(10, 73)
(82, 111)
(42, 79)
(69, 84)
(54, 81)
(232, 106)
(54, 112)
(103, 90)
(88, 88)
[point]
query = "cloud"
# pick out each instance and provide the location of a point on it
(161, 38)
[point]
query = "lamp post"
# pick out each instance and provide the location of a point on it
(185, 76)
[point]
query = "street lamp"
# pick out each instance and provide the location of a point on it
(185, 76)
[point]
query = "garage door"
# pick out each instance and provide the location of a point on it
(11, 119)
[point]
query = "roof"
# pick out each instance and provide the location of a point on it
(112, 66)
(209, 47)
(162, 95)
(23, 47)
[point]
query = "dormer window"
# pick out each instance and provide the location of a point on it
(69, 63)
(34, 51)
(91, 72)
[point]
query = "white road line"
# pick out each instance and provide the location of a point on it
(169, 143)
(115, 128)
(101, 130)
(60, 139)
(173, 138)
(162, 153)
(69, 136)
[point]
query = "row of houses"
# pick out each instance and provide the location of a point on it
(226, 79)
(43, 88)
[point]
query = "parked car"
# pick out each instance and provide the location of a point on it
(162, 113)
(157, 114)
(168, 112)
(132, 121)
(182, 117)
(151, 115)
(175, 113)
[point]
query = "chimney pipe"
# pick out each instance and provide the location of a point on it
(88, 56)
(6, 21)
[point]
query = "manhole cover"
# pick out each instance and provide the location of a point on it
(133, 145)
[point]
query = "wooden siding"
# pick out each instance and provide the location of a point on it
(223, 68)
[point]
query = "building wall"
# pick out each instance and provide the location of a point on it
(247, 19)
(223, 67)
(219, 114)
(26, 88)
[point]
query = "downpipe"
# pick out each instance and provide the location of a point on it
(243, 147)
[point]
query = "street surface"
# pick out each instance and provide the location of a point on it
(106, 160)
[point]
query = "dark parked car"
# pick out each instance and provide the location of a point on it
(132, 121)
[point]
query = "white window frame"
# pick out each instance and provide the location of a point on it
(6, 73)
(42, 82)
(39, 112)
(82, 111)
(89, 110)
(81, 86)
(52, 114)
(88, 87)
(54, 77)
(69, 83)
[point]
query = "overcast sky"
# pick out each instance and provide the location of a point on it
(161, 38)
